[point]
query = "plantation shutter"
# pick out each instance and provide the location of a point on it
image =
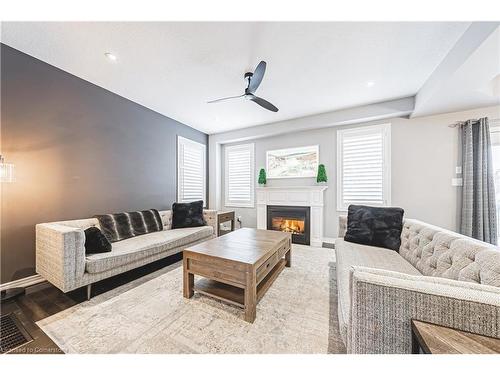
(191, 177)
(364, 166)
(239, 175)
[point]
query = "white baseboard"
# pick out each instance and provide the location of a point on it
(23, 283)
(316, 243)
(329, 239)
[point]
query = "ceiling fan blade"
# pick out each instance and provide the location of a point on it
(228, 98)
(256, 79)
(264, 103)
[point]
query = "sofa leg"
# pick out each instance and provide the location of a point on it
(89, 291)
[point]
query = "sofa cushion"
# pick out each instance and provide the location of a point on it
(166, 218)
(375, 226)
(350, 254)
(135, 248)
(185, 215)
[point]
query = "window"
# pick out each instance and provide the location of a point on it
(191, 167)
(363, 169)
(239, 175)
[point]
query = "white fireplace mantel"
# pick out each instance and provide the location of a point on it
(309, 196)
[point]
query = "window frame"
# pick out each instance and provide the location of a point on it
(182, 140)
(385, 129)
(227, 202)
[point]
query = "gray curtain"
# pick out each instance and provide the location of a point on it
(479, 217)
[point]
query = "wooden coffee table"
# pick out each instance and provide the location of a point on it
(237, 268)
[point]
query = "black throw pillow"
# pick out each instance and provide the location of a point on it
(186, 215)
(117, 227)
(375, 226)
(96, 242)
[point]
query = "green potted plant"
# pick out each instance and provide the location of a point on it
(262, 177)
(321, 178)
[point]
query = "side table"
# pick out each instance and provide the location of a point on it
(428, 338)
(222, 217)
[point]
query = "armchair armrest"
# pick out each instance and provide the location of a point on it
(384, 302)
(210, 217)
(60, 254)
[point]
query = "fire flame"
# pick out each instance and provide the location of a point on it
(289, 225)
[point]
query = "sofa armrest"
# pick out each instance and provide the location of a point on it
(60, 254)
(211, 219)
(384, 302)
(342, 225)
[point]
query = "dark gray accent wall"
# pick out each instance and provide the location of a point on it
(78, 150)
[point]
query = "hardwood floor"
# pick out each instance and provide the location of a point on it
(44, 300)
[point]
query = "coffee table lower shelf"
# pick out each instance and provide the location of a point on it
(234, 295)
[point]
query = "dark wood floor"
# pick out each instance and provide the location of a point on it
(44, 300)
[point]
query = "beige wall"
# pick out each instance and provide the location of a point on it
(425, 152)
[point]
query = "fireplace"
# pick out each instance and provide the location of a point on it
(292, 219)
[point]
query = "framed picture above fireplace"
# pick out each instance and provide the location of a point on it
(294, 162)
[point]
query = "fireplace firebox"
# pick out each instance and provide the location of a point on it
(292, 219)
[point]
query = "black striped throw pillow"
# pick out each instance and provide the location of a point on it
(117, 227)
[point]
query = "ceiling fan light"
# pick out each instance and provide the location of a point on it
(254, 80)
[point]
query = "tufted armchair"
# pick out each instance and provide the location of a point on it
(437, 276)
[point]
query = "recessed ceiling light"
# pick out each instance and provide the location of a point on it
(370, 84)
(110, 56)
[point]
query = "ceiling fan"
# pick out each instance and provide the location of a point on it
(254, 80)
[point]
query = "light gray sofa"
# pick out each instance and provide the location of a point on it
(437, 276)
(60, 250)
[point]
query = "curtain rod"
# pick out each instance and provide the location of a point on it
(459, 123)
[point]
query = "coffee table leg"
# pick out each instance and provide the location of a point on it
(188, 279)
(288, 258)
(250, 297)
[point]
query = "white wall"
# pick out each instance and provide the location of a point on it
(425, 152)
(325, 138)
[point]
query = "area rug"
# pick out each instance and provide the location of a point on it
(298, 314)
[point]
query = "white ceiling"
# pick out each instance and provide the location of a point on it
(475, 83)
(174, 68)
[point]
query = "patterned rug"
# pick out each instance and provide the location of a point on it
(298, 314)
